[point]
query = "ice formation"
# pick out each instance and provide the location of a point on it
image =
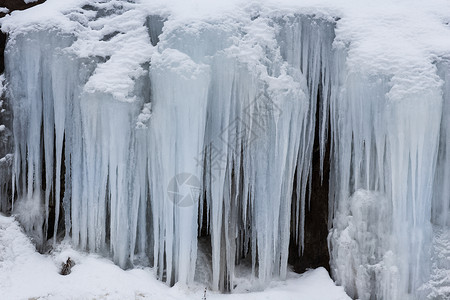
(388, 145)
(6, 148)
(135, 131)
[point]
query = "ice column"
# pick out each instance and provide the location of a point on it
(179, 93)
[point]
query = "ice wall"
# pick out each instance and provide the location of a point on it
(216, 111)
(253, 133)
(32, 88)
(73, 128)
(438, 287)
(136, 133)
(385, 147)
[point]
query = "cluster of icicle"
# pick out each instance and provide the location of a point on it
(226, 109)
(389, 197)
(6, 147)
(225, 103)
(389, 179)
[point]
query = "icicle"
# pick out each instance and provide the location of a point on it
(36, 117)
(6, 149)
(441, 188)
(177, 133)
(229, 114)
(306, 44)
(224, 112)
(386, 143)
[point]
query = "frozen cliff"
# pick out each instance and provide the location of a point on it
(143, 128)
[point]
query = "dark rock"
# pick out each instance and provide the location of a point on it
(89, 7)
(109, 36)
(12, 5)
(66, 267)
(17, 5)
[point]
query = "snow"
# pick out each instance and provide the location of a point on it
(137, 93)
(25, 274)
(439, 284)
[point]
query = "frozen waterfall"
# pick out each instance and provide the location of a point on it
(135, 133)
(230, 111)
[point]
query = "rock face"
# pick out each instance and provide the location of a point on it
(11, 5)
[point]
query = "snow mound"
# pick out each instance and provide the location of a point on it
(26, 274)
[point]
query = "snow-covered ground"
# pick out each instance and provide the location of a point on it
(26, 274)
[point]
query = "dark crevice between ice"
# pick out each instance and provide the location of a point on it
(315, 252)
